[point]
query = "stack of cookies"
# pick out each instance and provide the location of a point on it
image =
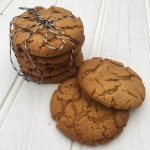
(94, 107)
(47, 43)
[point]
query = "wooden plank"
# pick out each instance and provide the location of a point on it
(35, 129)
(30, 109)
(9, 100)
(125, 38)
(4, 4)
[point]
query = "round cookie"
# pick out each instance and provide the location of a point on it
(51, 80)
(84, 120)
(24, 61)
(111, 84)
(45, 60)
(68, 24)
(52, 71)
(49, 72)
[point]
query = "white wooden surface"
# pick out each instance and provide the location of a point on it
(115, 29)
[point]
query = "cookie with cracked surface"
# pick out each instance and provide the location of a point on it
(50, 79)
(46, 73)
(70, 26)
(53, 71)
(111, 83)
(84, 120)
(46, 60)
(24, 61)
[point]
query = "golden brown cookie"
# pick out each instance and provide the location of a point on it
(45, 60)
(69, 26)
(111, 84)
(24, 61)
(53, 79)
(49, 72)
(84, 120)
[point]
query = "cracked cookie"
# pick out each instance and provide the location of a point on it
(44, 60)
(55, 62)
(64, 25)
(50, 79)
(51, 71)
(111, 83)
(45, 39)
(84, 120)
(46, 73)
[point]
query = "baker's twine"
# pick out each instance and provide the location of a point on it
(50, 27)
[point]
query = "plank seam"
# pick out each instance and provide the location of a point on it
(8, 92)
(2, 11)
(71, 145)
(5, 113)
(56, 2)
(102, 28)
(96, 28)
(59, 3)
(102, 25)
(148, 20)
(129, 41)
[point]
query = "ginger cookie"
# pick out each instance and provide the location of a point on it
(111, 83)
(54, 71)
(66, 31)
(84, 120)
(46, 73)
(50, 79)
(45, 60)
(24, 61)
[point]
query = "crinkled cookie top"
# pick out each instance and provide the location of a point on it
(111, 84)
(70, 26)
(83, 120)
